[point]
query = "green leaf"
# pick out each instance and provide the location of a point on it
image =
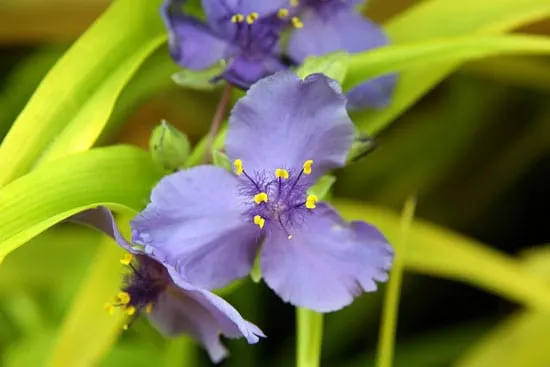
(198, 79)
(71, 106)
(88, 330)
(169, 147)
(445, 18)
(334, 65)
(309, 335)
(119, 177)
(388, 325)
(436, 251)
(322, 187)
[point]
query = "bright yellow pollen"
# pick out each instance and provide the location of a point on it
(238, 167)
(281, 173)
(260, 198)
(282, 13)
(237, 18)
(259, 221)
(109, 308)
(126, 259)
(294, 3)
(307, 166)
(297, 23)
(131, 310)
(149, 308)
(123, 298)
(310, 201)
(251, 18)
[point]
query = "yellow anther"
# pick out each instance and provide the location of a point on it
(237, 18)
(260, 198)
(109, 308)
(238, 167)
(281, 173)
(251, 18)
(149, 308)
(123, 298)
(130, 310)
(294, 3)
(297, 23)
(310, 201)
(307, 166)
(259, 221)
(282, 13)
(126, 259)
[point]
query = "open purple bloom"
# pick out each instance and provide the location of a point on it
(243, 33)
(209, 224)
(333, 25)
(173, 305)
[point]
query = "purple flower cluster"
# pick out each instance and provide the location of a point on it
(245, 35)
(205, 226)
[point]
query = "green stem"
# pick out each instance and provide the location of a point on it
(309, 337)
(180, 352)
(219, 116)
(391, 302)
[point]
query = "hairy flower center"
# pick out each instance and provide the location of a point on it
(276, 199)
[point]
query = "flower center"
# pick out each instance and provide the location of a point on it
(277, 198)
(142, 287)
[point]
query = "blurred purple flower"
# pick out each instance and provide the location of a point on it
(209, 224)
(333, 25)
(243, 33)
(173, 305)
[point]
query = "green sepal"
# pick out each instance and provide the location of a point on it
(170, 148)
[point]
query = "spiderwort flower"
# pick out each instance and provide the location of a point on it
(334, 25)
(242, 33)
(209, 223)
(173, 305)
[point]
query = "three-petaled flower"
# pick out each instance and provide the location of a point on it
(208, 224)
(172, 304)
(244, 34)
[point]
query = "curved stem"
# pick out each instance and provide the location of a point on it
(219, 115)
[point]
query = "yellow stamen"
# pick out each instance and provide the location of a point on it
(238, 167)
(310, 201)
(281, 173)
(307, 166)
(294, 3)
(123, 298)
(297, 23)
(109, 308)
(260, 198)
(251, 18)
(282, 13)
(126, 259)
(237, 18)
(130, 310)
(259, 221)
(149, 308)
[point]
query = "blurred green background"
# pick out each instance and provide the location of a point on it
(475, 149)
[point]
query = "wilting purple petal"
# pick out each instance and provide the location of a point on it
(203, 315)
(243, 71)
(327, 263)
(375, 93)
(194, 222)
(102, 219)
(192, 44)
(284, 121)
(343, 30)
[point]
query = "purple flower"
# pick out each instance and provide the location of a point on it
(209, 224)
(333, 25)
(242, 33)
(173, 305)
